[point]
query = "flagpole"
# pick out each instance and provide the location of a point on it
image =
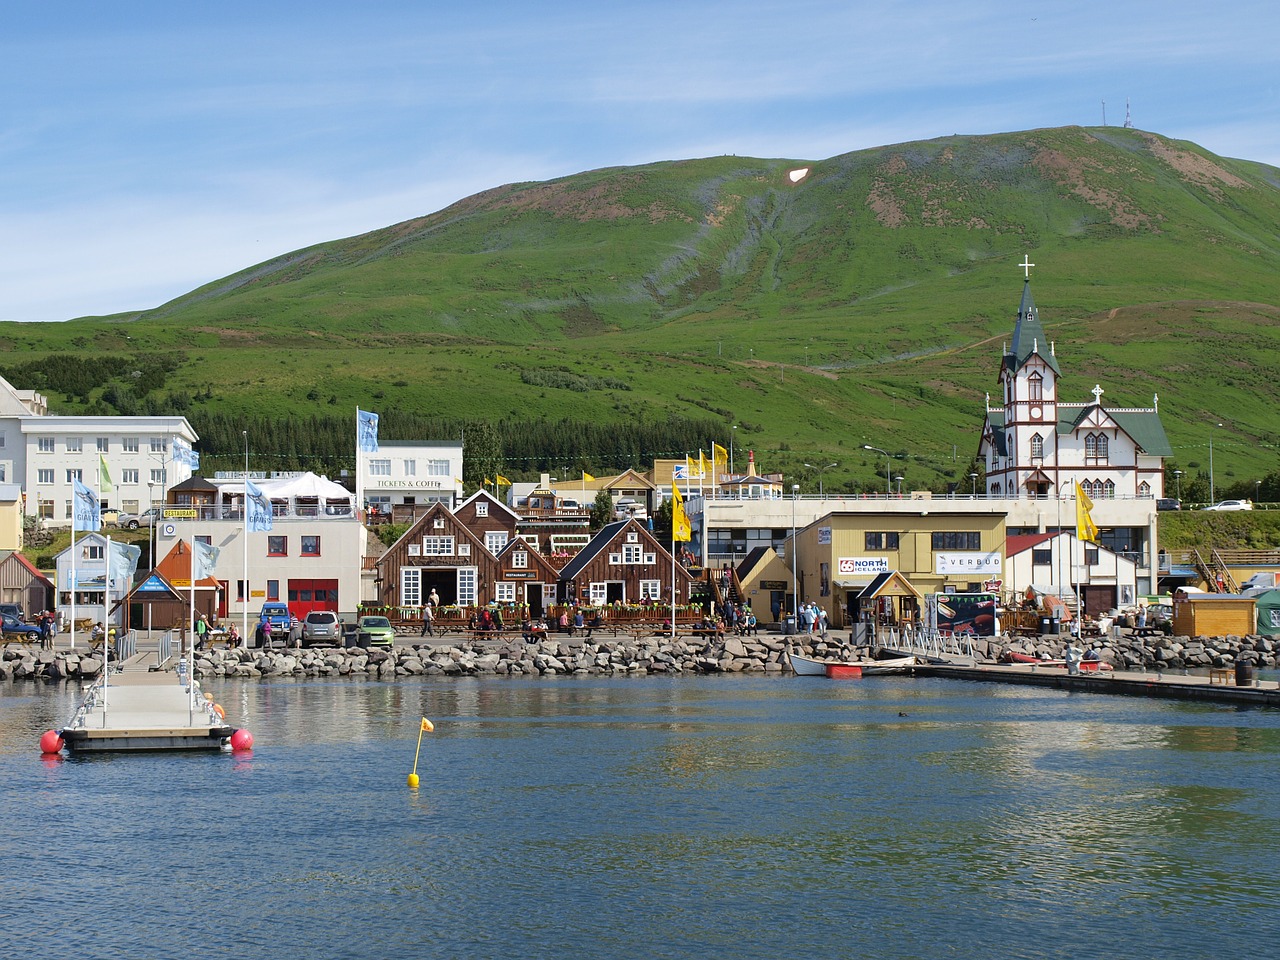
(106, 636)
(73, 581)
(244, 603)
(359, 472)
(191, 635)
(673, 577)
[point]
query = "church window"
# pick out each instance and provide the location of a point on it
(1037, 446)
(1035, 386)
(1144, 489)
(1109, 490)
(1095, 448)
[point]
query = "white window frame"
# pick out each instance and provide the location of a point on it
(482, 508)
(495, 541)
(75, 444)
(411, 468)
(44, 445)
(157, 476)
(468, 584)
(597, 591)
(438, 547)
(650, 590)
(129, 444)
(45, 475)
(380, 468)
(632, 553)
(504, 591)
(519, 559)
(129, 475)
(437, 468)
(104, 444)
(410, 587)
(158, 445)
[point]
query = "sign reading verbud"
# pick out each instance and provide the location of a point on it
(861, 566)
(962, 563)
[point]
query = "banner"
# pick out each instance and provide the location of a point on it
(257, 508)
(206, 559)
(1086, 529)
(124, 561)
(366, 431)
(104, 477)
(86, 510)
(967, 563)
(681, 529)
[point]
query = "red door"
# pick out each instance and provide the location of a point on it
(308, 595)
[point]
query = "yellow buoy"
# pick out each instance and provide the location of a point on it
(413, 781)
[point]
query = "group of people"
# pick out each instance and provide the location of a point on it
(204, 630)
(812, 619)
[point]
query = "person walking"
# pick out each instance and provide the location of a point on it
(428, 618)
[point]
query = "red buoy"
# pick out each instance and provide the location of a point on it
(51, 742)
(242, 740)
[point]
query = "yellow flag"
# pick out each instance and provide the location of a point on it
(1086, 529)
(487, 481)
(680, 527)
(704, 465)
(720, 457)
(499, 478)
(586, 476)
(427, 725)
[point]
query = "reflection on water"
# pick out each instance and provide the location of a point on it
(590, 817)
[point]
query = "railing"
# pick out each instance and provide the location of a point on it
(169, 640)
(126, 646)
(933, 645)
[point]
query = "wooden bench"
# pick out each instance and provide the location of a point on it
(1223, 675)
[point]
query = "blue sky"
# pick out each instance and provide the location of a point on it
(147, 148)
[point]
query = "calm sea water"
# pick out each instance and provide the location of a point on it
(673, 818)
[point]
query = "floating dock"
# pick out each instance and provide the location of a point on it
(144, 709)
(1218, 687)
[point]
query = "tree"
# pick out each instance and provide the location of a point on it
(662, 523)
(601, 510)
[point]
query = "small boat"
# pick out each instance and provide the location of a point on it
(1086, 666)
(803, 666)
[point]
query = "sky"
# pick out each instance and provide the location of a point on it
(147, 148)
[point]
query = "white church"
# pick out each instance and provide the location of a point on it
(1036, 447)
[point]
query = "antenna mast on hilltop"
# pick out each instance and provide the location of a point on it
(1104, 113)
(1128, 120)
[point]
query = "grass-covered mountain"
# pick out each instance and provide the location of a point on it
(866, 301)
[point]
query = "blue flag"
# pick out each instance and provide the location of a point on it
(124, 561)
(366, 431)
(206, 559)
(257, 508)
(86, 510)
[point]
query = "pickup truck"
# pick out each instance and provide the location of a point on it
(275, 622)
(132, 521)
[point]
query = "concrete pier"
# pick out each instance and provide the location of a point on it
(1219, 687)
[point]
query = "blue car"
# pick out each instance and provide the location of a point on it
(12, 626)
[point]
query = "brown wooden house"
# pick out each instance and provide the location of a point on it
(525, 578)
(623, 564)
(491, 520)
(439, 552)
(23, 584)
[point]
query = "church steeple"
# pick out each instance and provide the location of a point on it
(1028, 335)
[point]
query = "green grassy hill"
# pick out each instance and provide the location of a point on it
(865, 302)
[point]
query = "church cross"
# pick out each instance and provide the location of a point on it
(1026, 266)
(1097, 394)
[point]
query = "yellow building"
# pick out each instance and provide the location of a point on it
(937, 546)
(11, 502)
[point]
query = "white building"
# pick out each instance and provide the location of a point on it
(1037, 447)
(411, 473)
(81, 581)
(144, 456)
(311, 559)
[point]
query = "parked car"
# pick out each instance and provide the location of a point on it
(1230, 505)
(12, 610)
(132, 521)
(13, 625)
(275, 623)
(1168, 503)
(376, 632)
(321, 627)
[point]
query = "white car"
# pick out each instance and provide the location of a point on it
(1230, 505)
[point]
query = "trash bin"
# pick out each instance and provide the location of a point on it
(1046, 626)
(788, 625)
(1244, 673)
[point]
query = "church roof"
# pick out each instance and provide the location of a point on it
(1028, 336)
(1143, 426)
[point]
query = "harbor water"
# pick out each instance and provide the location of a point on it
(688, 817)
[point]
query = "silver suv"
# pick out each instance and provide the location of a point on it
(321, 627)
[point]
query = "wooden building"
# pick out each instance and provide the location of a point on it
(624, 564)
(439, 552)
(23, 584)
(1214, 615)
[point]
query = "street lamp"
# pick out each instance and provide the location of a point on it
(733, 431)
(1212, 498)
(1257, 490)
(1177, 479)
(974, 478)
(795, 582)
(821, 470)
(899, 479)
(888, 487)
